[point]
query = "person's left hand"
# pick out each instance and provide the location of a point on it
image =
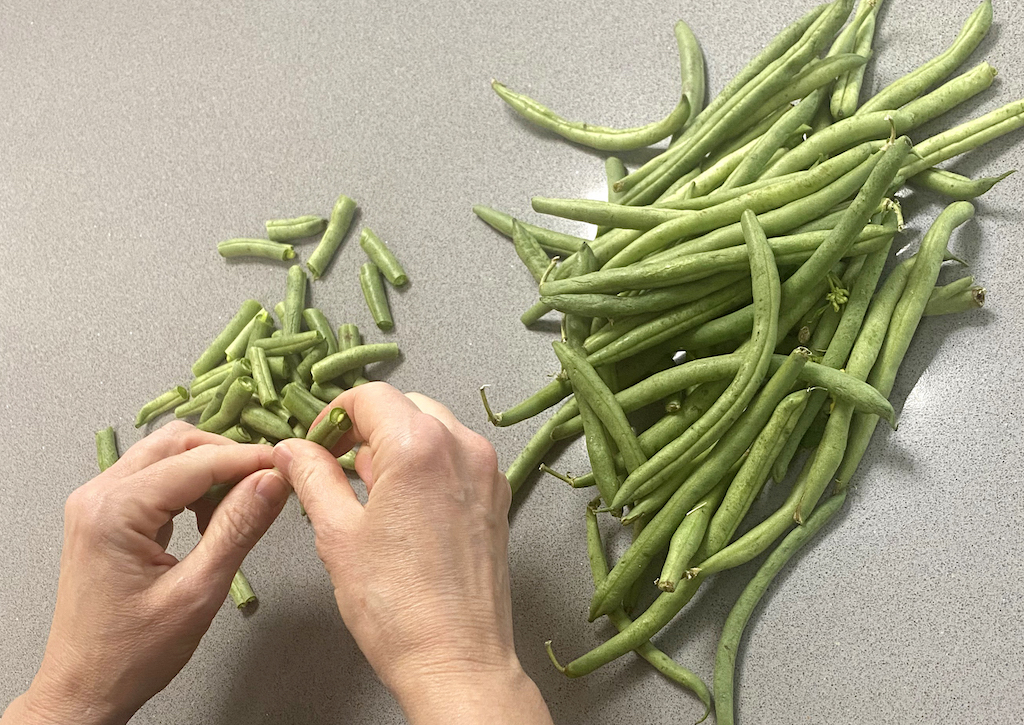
(129, 615)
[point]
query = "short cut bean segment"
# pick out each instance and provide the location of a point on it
(106, 448)
(330, 429)
(214, 354)
(264, 248)
(161, 404)
(375, 296)
(301, 227)
(355, 357)
(383, 257)
(338, 226)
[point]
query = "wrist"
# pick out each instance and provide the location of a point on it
(455, 694)
(46, 704)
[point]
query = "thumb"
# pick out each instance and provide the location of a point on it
(318, 480)
(236, 525)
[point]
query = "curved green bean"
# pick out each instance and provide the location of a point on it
(739, 615)
(341, 362)
(301, 227)
(598, 137)
(691, 72)
(955, 186)
(916, 82)
(161, 404)
(552, 241)
(338, 226)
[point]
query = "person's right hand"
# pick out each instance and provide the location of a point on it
(420, 573)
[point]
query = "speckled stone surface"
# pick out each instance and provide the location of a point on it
(136, 137)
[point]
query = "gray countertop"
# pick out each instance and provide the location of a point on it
(136, 137)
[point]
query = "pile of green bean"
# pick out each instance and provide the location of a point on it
(260, 383)
(755, 245)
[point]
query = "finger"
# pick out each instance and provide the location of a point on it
(237, 524)
(432, 408)
(318, 480)
(174, 438)
(154, 493)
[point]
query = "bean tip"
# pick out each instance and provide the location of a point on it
(495, 419)
(551, 656)
(665, 585)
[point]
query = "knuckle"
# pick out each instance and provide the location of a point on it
(482, 451)
(428, 440)
(176, 428)
(240, 527)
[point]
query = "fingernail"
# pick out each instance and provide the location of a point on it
(283, 457)
(272, 488)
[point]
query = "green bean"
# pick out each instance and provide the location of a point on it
(534, 314)
(661, 300)
(598, 137)
(301, 403)
(348, 460)
(771, 89)
(879, 124)
(691, 71)
(214, 354)
(671, 324)
(383, 257)
(294, 301)
(376, 299)
(238, 396)
(209, 379)
(959, 296)
(241, 592)
(330, 429)
(161, 404)
(720, 460)
(576, 328)
(739, 615)
(966, 136)
(535, 450)
(264, 248)
(838, 346)
(289, 344)
(955, 186)
(704, 432)
(688, 536)
(264, 422)
(349, 337)
(106, 448)
(552, 241)
(265, 389)
(754, 472)
(279, 368)
(301, 227)
(614, 170)
(238, 433)
(551, 394)
(671, 272)
(812, 272)
(599, 451)
(693, 222)
(529, 251)
(326, 392)
(658, 659)
(263, 326)
(751, 78)
(237, 347)
(757, 160)
(846, 93)
(590, 388)
(916, 82)
(340, 221)
(316, 320)
(340, 362)
(304, 370)
(905, 318)
(299, 431)
(195, 404)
